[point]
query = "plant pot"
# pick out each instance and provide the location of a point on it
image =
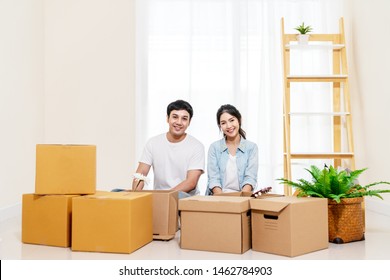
(303, 39)
(345, 220)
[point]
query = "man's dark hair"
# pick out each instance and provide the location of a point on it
(180, 105)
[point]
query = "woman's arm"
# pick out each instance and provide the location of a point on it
(214, 184)
(250, 175)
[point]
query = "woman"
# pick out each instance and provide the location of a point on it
(232, 161)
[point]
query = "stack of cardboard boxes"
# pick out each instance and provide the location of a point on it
(63, 172)
(67, 211)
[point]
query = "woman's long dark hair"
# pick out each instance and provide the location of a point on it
(231, 110)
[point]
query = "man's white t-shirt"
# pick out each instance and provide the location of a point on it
(171, 161)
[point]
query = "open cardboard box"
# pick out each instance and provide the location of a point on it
(289, 226)
(215, 223)
(165, 213)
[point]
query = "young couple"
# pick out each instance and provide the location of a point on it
(178, 158)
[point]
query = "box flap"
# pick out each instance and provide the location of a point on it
(268, 204)
(269, 195)
(225, 204)
(277, 204)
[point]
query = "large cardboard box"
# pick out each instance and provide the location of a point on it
(114, 222)
(289, 226)
(65, 169)
(215, 223)
(46, 219)
(165, 213)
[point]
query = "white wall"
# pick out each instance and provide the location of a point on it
(21, 96)
(89, 82)
(368, 38)
(67, 75)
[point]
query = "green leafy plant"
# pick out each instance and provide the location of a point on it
(334, 184)
(302, 29)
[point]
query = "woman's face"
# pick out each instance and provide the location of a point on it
(229, 125)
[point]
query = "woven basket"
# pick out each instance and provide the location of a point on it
(345, 220)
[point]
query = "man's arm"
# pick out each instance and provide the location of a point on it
(143, 169)
(190, 182)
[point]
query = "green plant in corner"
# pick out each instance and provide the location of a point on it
(302, 29)
(334, 184)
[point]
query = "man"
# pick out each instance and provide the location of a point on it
(177, 158)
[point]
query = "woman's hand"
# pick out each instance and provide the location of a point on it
(217, 190)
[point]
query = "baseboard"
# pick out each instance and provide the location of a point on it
(10, 212)
(378, 206)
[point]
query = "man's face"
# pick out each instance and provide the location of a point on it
(179, 121)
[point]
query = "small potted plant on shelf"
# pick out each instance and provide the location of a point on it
(303, 36)
(345, 196)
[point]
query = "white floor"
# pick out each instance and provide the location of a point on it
(375, 247)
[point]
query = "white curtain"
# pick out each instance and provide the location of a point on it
(214, 52)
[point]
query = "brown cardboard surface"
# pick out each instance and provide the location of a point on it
(289, 226)
(116, 222)
(46, 219)
(165, 213)
(248, 194)
(215, 223)
(269, 195)
(65, 169)
(245, 194)
(226, 204)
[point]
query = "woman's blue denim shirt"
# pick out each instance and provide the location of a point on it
(247, 164)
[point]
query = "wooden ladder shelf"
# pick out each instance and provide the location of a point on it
(342, 138)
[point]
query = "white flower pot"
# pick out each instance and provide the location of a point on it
(303, 39)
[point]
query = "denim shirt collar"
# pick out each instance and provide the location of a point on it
(241, 147)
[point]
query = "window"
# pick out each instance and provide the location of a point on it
(214, 52)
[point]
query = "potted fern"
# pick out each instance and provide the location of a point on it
(345, 196)
(303, 36)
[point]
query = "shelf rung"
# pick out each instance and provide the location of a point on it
(321, 155)
(315, 46)
(317, 78)
(319, 114)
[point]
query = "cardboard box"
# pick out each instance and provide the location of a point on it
(165, 213)
(65, 169)
(46, 219)
(215, 223)
(114, 222)
(289, 226)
